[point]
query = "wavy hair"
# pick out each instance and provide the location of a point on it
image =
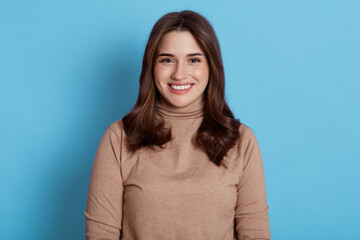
(219, 130)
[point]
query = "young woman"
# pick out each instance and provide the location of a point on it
(179, 165)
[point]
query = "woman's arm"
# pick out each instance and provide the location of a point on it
(251, 213)
(103, 212)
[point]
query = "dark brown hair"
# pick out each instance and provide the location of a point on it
(219, 130)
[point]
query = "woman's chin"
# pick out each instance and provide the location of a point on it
(184, 104)
(175, 103)
(178, 104)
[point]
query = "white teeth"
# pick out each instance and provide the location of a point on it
(180, 87)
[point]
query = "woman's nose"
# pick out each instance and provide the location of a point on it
(179, 72)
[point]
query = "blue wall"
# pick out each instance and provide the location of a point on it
(68, 69)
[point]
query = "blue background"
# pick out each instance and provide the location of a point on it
(68, 69)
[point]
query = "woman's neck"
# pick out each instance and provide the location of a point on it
(193, 110)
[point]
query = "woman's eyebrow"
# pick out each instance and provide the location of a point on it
(172, 55)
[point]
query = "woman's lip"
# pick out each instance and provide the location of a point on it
(180, 84)
(180, 91)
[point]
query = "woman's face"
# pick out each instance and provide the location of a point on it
(181, 71)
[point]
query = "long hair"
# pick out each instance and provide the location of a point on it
(219, 130)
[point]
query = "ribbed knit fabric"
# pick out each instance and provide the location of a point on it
(176, 192)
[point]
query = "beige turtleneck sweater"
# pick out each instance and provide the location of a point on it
(176, 192)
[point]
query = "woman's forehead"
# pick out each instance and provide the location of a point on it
(179, 43)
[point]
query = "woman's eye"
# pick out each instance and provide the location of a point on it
(166, 60)
(194, 60)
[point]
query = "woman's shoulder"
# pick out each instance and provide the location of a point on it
(245, 144)
(116, 127)
(246, 132)
(247, 136)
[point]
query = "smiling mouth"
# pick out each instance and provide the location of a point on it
(180, 87)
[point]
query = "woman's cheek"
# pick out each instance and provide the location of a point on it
(200, 72)
(162, 72)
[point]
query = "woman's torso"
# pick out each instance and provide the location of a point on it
(176, 192)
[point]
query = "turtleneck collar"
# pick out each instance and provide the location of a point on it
(192, 111)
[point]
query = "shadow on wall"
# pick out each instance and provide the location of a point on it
(112, 92)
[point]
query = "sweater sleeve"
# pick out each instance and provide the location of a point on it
(103, 214)
(251, 212)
